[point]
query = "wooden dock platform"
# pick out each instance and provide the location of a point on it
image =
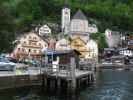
(48, 76)
(115, 66)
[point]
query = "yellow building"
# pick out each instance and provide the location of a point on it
(79, 45)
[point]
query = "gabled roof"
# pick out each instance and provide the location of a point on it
(79, 15)
(78, 39)
(27, 33)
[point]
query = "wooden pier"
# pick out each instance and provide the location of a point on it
(49, 77)
(72, 76)
(115, 66)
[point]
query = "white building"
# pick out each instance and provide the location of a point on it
(44, 30)
(62, 44)
(112, 38)
(92, 47)
(78, 24)
(92, 28)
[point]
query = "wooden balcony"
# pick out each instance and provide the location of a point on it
(31, 46)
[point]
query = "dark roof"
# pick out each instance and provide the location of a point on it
(79, 15)
(53, 52)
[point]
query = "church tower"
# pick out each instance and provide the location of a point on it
(66, 13)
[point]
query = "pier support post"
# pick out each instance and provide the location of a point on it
(87, 81)
(45, 82)
(58, 82)
(78, 83)
(73, 77)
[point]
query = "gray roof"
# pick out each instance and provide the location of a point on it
(79, 15)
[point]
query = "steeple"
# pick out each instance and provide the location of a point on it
(66, 4)
(79, 15)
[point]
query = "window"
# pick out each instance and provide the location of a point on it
(18, 49)
(34, 51)
(34, 43)
(29, 37)
(30, 43)
(29, 50)
(45, 45)
(24, 42)
(23, 49)
(34, 38)
(39, 44)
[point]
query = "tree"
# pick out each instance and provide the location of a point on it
(6, 30)
(100, 38)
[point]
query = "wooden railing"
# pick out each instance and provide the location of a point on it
(61, 69)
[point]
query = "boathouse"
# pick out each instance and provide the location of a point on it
(62, 57)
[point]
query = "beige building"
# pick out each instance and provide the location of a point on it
(29, 45)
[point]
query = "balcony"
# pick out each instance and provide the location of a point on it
(31, 46)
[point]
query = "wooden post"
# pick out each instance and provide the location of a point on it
(78, 83)
(73, 77)
(58, 82)
(87, 80)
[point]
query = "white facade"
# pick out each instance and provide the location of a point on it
(92, 29)
(112, 38)
(66, 13)
(62, 44)
(92, 47)
(44, 30)
(79, 25)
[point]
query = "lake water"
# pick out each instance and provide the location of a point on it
(110, 85)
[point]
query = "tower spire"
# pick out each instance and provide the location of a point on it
(66, 3)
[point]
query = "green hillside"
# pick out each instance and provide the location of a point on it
(21, 15)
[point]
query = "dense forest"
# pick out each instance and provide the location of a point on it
(17, 16)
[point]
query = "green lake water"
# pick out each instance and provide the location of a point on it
(109, 85)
